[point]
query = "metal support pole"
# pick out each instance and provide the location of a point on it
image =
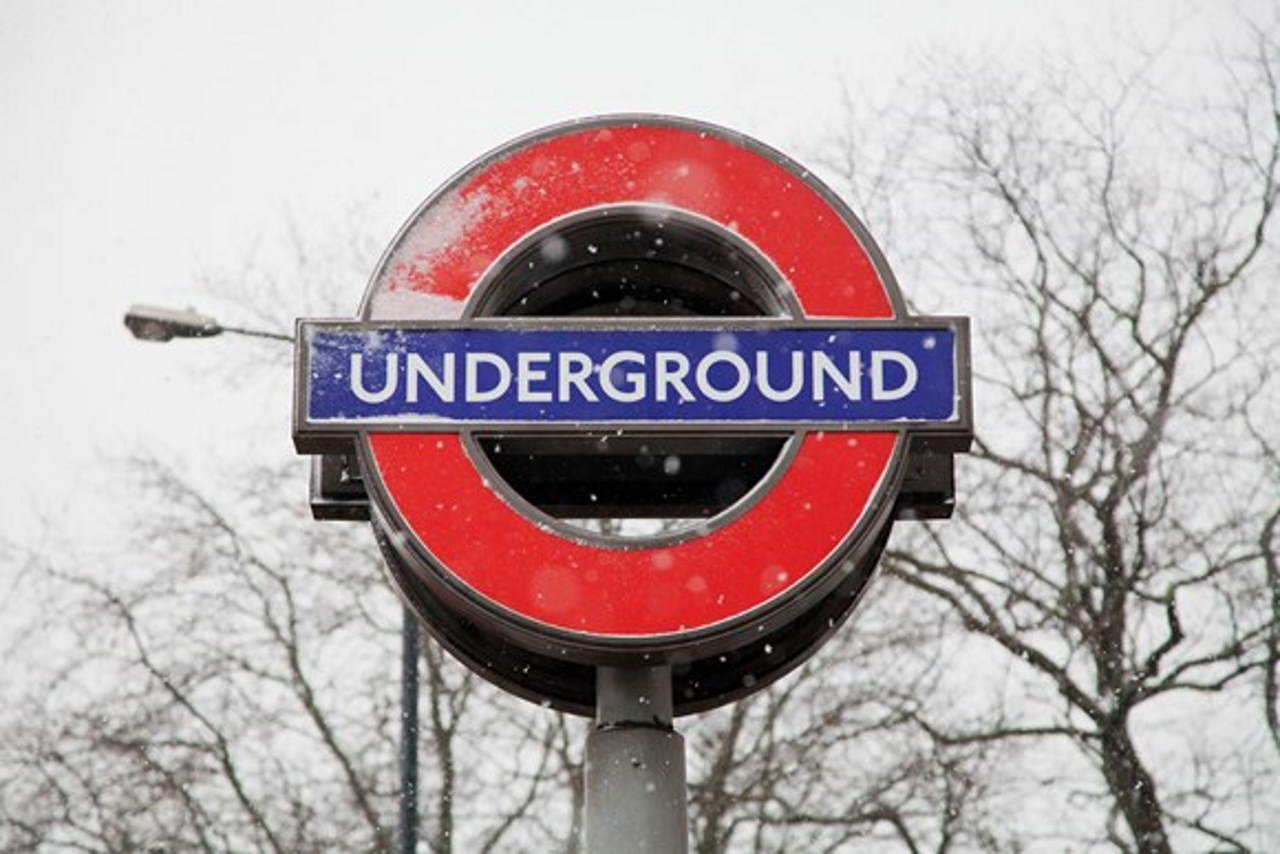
(408, 732)
(635, 778)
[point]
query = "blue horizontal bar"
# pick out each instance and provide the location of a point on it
(770, 375)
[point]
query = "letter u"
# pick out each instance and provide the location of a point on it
(389, 382)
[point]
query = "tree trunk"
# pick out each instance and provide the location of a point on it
(1133, 789)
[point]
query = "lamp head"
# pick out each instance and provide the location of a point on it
(152, 323)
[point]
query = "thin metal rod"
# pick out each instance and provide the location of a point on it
(256, 333)
(635, 776)
(408, 732)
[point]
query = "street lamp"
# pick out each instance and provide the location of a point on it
(154, 323)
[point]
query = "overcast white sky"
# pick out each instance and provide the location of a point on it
(144, 144)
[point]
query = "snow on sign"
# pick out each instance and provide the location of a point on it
(634, 390)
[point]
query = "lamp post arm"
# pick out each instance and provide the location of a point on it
(156, 323)
(257, 333)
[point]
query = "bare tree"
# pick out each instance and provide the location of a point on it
(1117, 526)
(229, 683)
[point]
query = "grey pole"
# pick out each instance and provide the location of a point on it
(408, 732)
(635, 780)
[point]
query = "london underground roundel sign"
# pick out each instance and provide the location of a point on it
(633, 389)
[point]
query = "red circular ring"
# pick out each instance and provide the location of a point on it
(544, 576)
